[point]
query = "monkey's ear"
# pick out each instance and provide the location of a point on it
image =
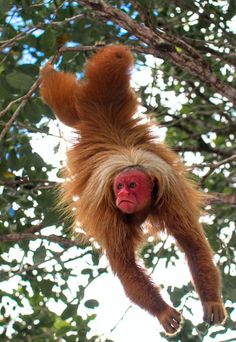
(153, 179)
(155, 189)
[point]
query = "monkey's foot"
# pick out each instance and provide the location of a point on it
(170, 320)
(214, 313)
(48, 68)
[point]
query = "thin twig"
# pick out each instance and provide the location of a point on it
(78, 49)
(10, 104)
(30, 236)
(20, 107)
(214, 166)
(22, 181)
(119, 321)
(31, 29)
(229, 199)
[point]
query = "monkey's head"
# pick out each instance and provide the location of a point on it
(133, 189)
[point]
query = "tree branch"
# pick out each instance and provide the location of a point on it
(24, 99)
(36, 228)
(31, 29)
(223, 198)
(192, 62)
(78, 49)
(10, 104)
(212, 167)
(27, 183)
(31, 236)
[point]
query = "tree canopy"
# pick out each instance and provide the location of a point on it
(185, 58)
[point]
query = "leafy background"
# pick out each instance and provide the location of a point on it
(42, 267)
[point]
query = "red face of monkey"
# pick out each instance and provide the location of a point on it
(133, 191)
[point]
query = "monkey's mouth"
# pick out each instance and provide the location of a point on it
(126, 201)
(127, 206)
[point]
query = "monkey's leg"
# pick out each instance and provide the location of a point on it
(58, 89)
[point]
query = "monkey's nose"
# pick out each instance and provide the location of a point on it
(124, 191)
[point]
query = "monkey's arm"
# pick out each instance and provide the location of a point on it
(140, 288)
(205, 274)
(179, 213)
(58, 90)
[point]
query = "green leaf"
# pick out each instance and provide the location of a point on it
(91, 303)
(95, 258)
(19, 80)
(39, 255)
(38, 161)
(33, 111)
(87, 271)
(46, 287)
(14, 161)
(3, 203)
(46, 319)
(70, 311)
(48, 41)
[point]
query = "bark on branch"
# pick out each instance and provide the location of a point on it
(224, 198)
(31, 236)
(189, 59)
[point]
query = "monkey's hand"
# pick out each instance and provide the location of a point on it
(170, 319)
(214, 313)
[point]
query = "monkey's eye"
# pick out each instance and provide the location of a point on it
(119, 186)
(132, 185)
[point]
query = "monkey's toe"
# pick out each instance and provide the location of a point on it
(48, 68)
(214, 313)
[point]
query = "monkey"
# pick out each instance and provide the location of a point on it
(119, 178)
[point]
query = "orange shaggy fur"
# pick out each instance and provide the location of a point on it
(101, 108)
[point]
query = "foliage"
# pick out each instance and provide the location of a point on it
(39, 257)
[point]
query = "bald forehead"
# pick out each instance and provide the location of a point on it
(133, 174)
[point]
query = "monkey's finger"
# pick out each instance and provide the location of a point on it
(169, 328)
(221, 314)
(207, 315)
(173, 323)
(176, 315)
(216, 315)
